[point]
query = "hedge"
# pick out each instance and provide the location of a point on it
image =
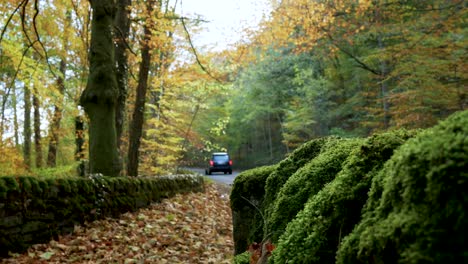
(34, 210)
(417, 209)
(307, 181)
(314, 235)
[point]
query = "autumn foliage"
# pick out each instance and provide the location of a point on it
(188, 228)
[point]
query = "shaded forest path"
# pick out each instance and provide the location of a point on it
(187, 228)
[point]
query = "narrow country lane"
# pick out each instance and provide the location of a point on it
(189, 228)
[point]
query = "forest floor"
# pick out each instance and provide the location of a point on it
(187, 228)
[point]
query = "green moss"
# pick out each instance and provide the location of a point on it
(25, 184)
(3, 191)
(43, 185)
(35, 186)
(313, 236)
(246, 198)
(416, 212)
(10, 183)
(307, 181)
(50, 182)
(249, 183)
(288, 167)
(7, 183)
(74, 189)
(64, 185)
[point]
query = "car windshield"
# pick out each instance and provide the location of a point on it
(220, 158)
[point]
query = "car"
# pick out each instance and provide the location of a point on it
(219, 162)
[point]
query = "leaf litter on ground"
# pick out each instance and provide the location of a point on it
(187, 228)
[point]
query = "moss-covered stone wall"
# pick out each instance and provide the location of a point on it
(34, 210)
(247, 205)
(394, 197)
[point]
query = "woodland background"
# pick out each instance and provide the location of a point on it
(311, 69)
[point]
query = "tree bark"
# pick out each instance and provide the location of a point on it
(270, 140)
(100, 96)
(27, 127)
(122, 23)
(37, 129)
(14, 102)
(79, 142)
(139, 110)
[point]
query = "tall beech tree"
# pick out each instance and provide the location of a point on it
(56, 119)
(37, 128)
(100, 96)
(136, 126)
(122, 25)
(57, 115)
(27, 127)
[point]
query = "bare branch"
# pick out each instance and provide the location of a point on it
(23, 26)
(38, 37)
(195, 52)
(9, 19)
(122, 38)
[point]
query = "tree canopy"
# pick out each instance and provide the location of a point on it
(310, 69)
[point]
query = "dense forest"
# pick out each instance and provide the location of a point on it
(311, 69)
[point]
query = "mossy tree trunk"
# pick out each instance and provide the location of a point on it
(100, 96)
(136, 126)
(56, 120)
(79, 142)
(122, 23)
(27, 127)
(14, 104)
(37, 129)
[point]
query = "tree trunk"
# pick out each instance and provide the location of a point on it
(56, 119)
(270, 140)
(139, 110)
(79, 142)
(283, 132)
(57, 116)
(122, 23)
(37, 129)
(14, 103)
(100, 96)
(384, 88)
(384, 71)
(27, 127)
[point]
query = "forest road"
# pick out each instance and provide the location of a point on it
(218, 176)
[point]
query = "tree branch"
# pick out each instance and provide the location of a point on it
(23, 26)
(8, 89)
(122, 37)
(9, 19)
(195, 52)
(360, 63)
(38, 37)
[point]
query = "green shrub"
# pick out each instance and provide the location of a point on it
(246, 197)
(288, 167)
(57, 172)
(417, 207)
(307, 181)
(243, 258)
(314, 235)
